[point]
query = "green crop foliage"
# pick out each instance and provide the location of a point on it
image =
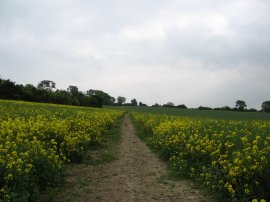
(36, 140)
(228, 156)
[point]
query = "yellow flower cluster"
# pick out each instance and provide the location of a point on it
(36, 139)
(232, 157)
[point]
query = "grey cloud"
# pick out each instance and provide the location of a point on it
(209, 53)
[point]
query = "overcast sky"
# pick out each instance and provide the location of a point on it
(193, 52)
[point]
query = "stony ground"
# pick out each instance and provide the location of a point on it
(136, 175)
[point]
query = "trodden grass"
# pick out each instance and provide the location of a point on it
(76, 185)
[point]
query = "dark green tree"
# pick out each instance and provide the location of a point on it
(142, 104)
(74, 91)
(182, 106)
(226, 108)
(46, 85)
(168, 104)
(77, 96)
(240, 105)
(204, 108)
(9, 90)
(121, 100)
(46, 92)
(29, 92)
(112, 100)
(63, 97)
(102, 97)
(266, 106)
(134, 102)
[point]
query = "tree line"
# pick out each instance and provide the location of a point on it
(240, 105)
(47, 92)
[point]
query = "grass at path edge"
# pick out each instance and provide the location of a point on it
(106, 152)
(102, 153)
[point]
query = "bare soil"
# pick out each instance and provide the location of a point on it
(136, 175)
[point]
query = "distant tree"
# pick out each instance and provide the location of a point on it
(168, 104)
(266, 106)
(252, 110)
(74, 91)
(90, 101)
(44, 92)
(46, 85)
(240, 105)
(9, 90)
(102, 97)
(142, 104)
(225, 108)
(61, 97)
(91, 92)
(29, 92)
(112, 100)
(182, 106)
(156, 105)
(204, 108)
(134, 102)
(121, 100)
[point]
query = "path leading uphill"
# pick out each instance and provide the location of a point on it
(136, 175)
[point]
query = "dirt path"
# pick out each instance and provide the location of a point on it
(136, 175)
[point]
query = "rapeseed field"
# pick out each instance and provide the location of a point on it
(36, 140)
(231, 157)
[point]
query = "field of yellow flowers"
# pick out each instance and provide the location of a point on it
(230, 157)
(37, 139)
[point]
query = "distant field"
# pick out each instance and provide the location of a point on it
(214, 114)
